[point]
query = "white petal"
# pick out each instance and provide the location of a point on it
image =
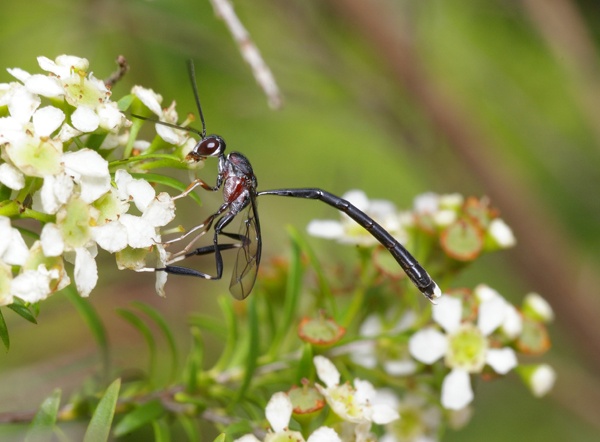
(31, 286)
(160, 211)
(142, 193)
(502, 360)
(279, 411)
(90, 171)
(403, 367)
(456, 390)
(140, 234)
(448, 313)
(370, 327)
(150, 98)
(19, 74)
(543, 380)
(170, 135)
(111, 118)
(52, 240)
(428, 345)
(324, 434)
(45, 86)
(484, 293)
(122, 179)
(365, 392)
(329, 229)
(86, 271)
(513, 322)
(85, 119)
(502, 233)
(23, 104)
(11, 177)
(383, 414)
(67, 133)
(426, 203)
(71, 61)
(357, 198)
(539, 306)
(491, 314)
(327, 371)
(111, 236)
(13, 250)
(47, 119)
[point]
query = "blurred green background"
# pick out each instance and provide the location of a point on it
(496, 97)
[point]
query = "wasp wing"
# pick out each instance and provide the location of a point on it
(248, 256)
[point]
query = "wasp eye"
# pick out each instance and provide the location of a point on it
(211, 146)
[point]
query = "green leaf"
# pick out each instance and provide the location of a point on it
(42, 426)
(292, 295)
(306, 367)
(226, 304)
(253, 350)
(20, 309)
(4, 332)
(194, 360)
(164, 328)
(99, 428)
(142, 415)
(125, 102)
(220, 438)
(190, 427)
(145, 331)
(326, 294)
(93, 321)
(161, 431)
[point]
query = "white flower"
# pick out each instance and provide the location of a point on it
(153, 101)
(278, 413)
(464, 346)
(395, 359)
(348, 231)
(420, 419)
(358, 404)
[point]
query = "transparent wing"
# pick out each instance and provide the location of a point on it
(248, 256)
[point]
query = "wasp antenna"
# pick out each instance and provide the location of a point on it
(192, 73)
(174, 126)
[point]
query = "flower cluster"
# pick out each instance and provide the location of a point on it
(56, 132)
(356, 407)
(465, 228)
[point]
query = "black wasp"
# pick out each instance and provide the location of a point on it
(236, 177)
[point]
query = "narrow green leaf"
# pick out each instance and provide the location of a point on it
(209, 323)
(93, 321)
(306, 366)
(220, 438)
(4, 332)
(22, 311)
(253, 350)
(164, 328)
(190, 427)
(42, 426)
(326, 294)
(142, 415)
(99, 428)
(145, 331)
(226, 304)
(292, 295)
(161, 431)
(194, 360)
